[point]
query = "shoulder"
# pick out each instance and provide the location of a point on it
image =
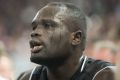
(106, 73)
(27, 75)
(96, 65)
(98, 69)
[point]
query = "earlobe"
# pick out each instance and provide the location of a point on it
(76, 37)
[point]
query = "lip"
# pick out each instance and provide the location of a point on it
(36, 49)
(35, 46)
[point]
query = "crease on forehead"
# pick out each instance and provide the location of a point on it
(60, 14)
(46, 12)
(56, 13)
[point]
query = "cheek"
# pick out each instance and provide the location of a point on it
(56, 40)
(60, 37)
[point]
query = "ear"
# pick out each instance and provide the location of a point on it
(76, 37)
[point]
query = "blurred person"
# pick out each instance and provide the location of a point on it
(6, 72)
(5, 68)
(118, 64)
(57, 44)
(21, 50)
(105, 50)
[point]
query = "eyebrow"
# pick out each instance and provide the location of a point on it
(43, 21)
(52, 22)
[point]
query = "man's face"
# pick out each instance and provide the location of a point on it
(50, 37)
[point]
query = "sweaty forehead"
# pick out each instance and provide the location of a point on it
(50, 12)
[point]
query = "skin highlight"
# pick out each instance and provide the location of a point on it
(56, 44)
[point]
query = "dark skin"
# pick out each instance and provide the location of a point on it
(55, 46)
(52, 44)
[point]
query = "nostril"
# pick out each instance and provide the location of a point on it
(33, 34)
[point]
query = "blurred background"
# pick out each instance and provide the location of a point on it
(103, 21)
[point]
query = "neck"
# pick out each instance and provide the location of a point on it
(65, 71)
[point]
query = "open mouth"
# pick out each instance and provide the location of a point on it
(35, 46)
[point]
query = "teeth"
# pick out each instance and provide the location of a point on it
(36, 47)
(34, 43)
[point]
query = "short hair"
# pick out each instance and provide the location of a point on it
(78, 19)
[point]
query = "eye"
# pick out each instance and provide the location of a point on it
(34, 25)
(47, 25)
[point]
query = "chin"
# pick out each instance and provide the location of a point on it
(36, 58)
(47, 61)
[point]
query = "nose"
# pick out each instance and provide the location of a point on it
(35, 34)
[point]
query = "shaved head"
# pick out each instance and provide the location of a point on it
(71, 16)
(59, 29)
